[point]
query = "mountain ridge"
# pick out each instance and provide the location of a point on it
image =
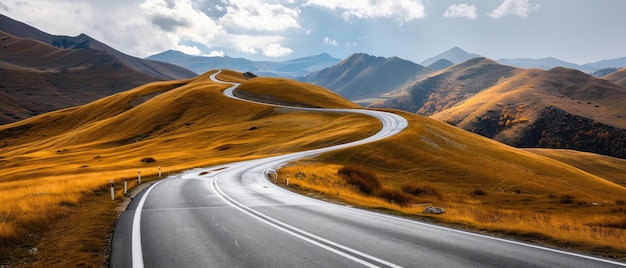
(362, 76)
(287, 69)
(159, 70)
(41, 72)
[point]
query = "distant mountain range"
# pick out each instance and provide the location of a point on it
(40, 72)
(457, 55)
(454, 55)
(361, 76)
(288, 69)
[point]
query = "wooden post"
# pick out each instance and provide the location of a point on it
(125, 186)
(112, 189)
(159, 171)
(139, 176)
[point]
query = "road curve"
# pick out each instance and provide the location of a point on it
(231, 216)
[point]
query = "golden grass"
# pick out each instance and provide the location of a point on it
(526, 195)
(534, 89)
(292, 93)
(54, 164)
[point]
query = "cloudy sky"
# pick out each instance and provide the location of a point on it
(578, 31)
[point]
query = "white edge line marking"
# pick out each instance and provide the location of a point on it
(136, 249)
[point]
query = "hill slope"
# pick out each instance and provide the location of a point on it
(42, 72)
(36, 78)
(617, 77)
(559, 108)
(446, 88)
(362, 76)
(290, 69)
(158, 70)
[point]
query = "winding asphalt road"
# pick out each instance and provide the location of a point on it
(231, 216)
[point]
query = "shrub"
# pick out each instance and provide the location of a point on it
(420, 190)
(479, 192)
(620, 202)
(567, 199)
(366, 181)
(148, 160)
(394, 196)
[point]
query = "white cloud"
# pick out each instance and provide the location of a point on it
(179, 21)
(260, 16)
(401, 10)
(461, 11)
(249, 44)
(520, 8)
(276, 50)
(216, 53)
(328, 41)
(245, 48)
(189, 50)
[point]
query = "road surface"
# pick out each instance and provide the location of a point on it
(231, 216)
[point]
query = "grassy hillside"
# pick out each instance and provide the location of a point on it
(575, 201)
(291, 93)
(559, 108)
(57, 164)
(618, 77)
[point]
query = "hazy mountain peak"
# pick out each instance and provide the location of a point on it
(455, 55)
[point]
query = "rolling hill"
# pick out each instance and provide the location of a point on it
(361, 76)
(558, 108)
(446, 88)
(617, 77)
(289, 69)
(43, 73)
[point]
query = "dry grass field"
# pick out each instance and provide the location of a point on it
(56, 167)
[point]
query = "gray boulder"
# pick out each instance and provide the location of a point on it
(433, 210)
